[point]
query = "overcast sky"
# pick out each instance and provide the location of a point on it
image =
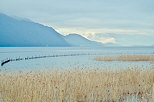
(124, 22)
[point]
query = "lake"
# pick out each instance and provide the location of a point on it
(84, 57)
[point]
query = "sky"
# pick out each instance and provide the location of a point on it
(121, 22)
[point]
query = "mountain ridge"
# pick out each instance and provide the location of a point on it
(15, 32)
(26, 33)
(78, 40)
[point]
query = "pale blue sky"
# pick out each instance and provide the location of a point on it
(125, 19)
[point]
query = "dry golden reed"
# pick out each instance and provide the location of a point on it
(126, 58)
(77, 86)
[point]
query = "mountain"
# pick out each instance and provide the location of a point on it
(78, 40)
(19, 32)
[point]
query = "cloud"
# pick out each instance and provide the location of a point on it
(122, 39)
(115, 14)
(102, 39)
(122, 20)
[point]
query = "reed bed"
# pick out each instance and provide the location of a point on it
(78, 86)
(127, 57)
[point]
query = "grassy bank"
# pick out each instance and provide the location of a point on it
(77, 85)
(126, 58)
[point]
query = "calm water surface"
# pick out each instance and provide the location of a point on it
(67, 62)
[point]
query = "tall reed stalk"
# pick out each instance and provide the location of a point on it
(77, 86)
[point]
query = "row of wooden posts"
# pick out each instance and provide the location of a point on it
(35, 57)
